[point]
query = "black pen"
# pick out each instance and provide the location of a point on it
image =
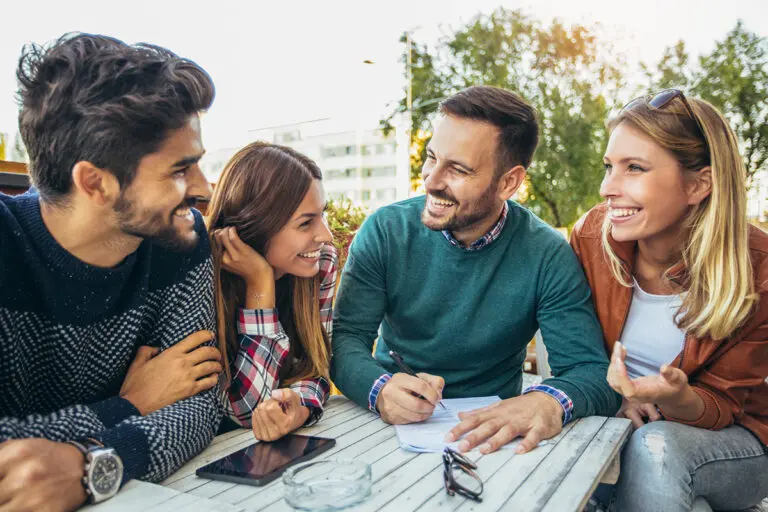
(406, 369)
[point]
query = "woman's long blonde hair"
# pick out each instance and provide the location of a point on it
(718, 277)
(258, 192)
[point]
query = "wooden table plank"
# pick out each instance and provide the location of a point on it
(502, 472)
(393, 483)
(242, 438)
(135, 495)
(542, 483)
(369, 451)
(337, 432)
(559, 475)
(581, 481)
(191, 503)
(384, 465)
(351, 446)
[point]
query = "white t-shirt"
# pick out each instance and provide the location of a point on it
(650, 334)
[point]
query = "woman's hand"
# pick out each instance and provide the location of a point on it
(157, 380)
(670, 386)
(639, 413)
(241, 259)
(278, 415)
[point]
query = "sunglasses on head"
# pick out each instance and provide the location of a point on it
(664, 98)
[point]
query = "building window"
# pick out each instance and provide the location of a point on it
(382, 172)
(386, 194)
(332, 152)
(366, 195)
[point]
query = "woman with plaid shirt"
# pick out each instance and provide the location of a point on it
(275, 271)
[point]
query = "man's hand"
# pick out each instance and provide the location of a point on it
(278, 415)
(37, 474)
(157, 380)
(536, 416)
(399, 403)
(638, 412)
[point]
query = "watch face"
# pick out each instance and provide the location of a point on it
(105, 474)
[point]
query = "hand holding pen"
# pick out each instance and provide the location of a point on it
(409, 397)
(407, 369)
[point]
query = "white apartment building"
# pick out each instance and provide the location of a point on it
(365, 166)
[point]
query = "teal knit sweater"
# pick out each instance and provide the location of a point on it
(467, 315)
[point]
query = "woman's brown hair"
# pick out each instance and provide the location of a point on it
(258, 192)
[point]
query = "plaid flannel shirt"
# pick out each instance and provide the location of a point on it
(264, 347)
(565, 402)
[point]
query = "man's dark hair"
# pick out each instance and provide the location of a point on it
(94, 98)
(509, 112)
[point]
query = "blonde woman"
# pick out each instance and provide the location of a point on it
(275, 276)
(679, 281)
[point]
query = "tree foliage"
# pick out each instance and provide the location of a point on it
(560, 69)
(734, 78)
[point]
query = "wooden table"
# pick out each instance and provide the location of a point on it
(557, 476)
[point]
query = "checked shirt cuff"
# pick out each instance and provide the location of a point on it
(374, 394)
(565, 402)
(258, 322)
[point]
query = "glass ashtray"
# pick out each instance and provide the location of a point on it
(327, 484)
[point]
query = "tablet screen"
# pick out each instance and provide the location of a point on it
(262, 459)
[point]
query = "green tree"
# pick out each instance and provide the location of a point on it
(427, 81)
(734, 78)
(560, 70)
(344, 219)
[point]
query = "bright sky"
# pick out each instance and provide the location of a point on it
(286, 61)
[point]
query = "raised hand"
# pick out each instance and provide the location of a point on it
(241, 259)
(670, 386)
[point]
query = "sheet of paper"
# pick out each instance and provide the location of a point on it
(429, 436)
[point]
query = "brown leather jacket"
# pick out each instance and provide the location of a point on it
(728, 375)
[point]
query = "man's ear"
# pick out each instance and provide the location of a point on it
(510, 181)
(700, 186)
(94, 183)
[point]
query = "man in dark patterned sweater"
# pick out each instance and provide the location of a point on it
(107, 370)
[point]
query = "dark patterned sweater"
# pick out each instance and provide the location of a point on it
(69, 331)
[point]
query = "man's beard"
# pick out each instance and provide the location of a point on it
(153, 225)
(475, 212)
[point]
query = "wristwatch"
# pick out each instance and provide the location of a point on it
(103, 471)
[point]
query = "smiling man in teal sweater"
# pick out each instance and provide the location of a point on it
(459, 281)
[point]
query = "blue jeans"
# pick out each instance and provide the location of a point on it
(667, 466)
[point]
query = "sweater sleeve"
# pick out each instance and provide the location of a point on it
(70, 422)
(151, 446)
(572, 335)
(360, 309)
(154, 446)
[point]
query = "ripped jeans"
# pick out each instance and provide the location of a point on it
(666, 466)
